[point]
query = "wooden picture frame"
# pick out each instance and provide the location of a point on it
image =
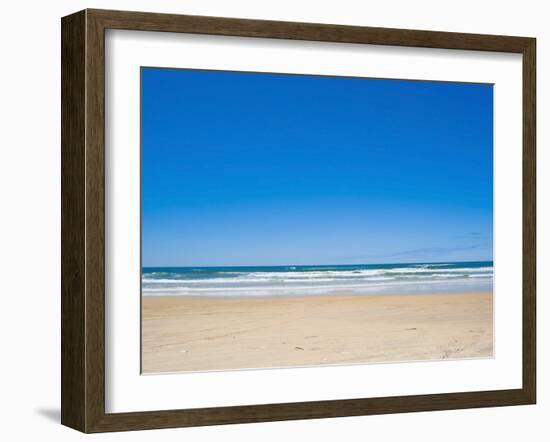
(83, 220)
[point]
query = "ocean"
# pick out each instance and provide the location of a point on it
(442, 277)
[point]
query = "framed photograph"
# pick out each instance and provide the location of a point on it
(269, 220)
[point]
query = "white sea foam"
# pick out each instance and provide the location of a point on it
(281, 290)
(293, 280)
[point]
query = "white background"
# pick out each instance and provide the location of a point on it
(128, 391)
(30, 222)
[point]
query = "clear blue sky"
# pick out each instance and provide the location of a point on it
(272, 169)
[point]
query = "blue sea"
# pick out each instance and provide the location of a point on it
(441, 277)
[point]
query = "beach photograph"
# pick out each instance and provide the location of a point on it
(311, 220)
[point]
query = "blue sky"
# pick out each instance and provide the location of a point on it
(273, 169)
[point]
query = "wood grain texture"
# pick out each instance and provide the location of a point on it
(95, 222)
(529, 221)
(83, 220)
(145, 21)
(73, 129)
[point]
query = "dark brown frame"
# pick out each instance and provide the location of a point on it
(83, 218)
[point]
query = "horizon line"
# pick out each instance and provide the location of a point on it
(317, 265)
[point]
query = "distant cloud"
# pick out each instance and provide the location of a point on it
(428, 253)
(472, 236)
(430, 250)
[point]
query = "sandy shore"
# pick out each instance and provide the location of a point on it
(183, 333)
